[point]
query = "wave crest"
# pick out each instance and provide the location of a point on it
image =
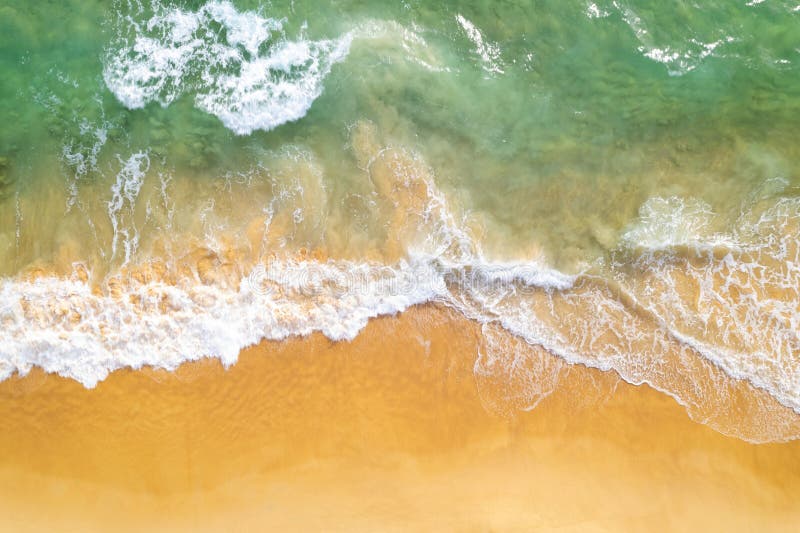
(240, 66)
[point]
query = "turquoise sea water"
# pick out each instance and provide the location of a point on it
(614, 182)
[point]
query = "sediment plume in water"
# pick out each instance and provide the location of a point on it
(702, 311)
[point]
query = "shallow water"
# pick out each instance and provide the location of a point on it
(612, 184)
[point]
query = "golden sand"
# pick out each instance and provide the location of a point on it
(388, 432)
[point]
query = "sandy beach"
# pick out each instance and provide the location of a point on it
(452, 266)
(389, 432)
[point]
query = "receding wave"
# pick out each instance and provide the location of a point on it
(700, 307)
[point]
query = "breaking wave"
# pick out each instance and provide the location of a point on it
(238, 65)
(702, 308)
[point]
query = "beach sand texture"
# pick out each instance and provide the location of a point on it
(390, 432)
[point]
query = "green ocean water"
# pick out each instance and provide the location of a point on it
(614, 183)
(550, 117)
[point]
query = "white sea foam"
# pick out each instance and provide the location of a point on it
(63, 326)
(697, 309)
(743, 314)
(682, 62)
(17, 221)
(679, 58)
(488, 51)
(665, 222)
(594, 12)
(167, 325)
(251, 75)
(122, 204)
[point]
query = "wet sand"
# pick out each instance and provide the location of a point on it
(389, 432)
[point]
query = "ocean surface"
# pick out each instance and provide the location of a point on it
(613, 184)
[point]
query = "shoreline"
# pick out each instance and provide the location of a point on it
(390, 430)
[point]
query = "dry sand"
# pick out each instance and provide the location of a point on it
(385, 433)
